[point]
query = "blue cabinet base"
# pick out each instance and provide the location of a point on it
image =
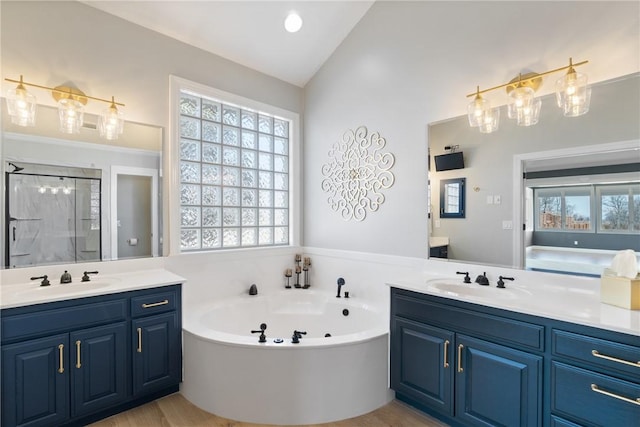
(428, 410)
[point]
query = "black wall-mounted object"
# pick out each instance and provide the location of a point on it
(449, 161)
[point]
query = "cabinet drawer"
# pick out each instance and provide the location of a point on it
(593, 399)
(508, 331)
(598, 352)
(157, 302)
(63, 319)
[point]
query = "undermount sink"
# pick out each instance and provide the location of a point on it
(76, 286)
(455, 288)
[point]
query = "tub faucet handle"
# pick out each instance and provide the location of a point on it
(263, 337)
(295, 339)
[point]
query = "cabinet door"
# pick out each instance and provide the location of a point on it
(156, 352)
(35, 382)
(99, 369)
(421, 364)
(497, 385)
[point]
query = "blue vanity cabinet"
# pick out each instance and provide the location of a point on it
(72, 362)
(156, 347)
(35, 382)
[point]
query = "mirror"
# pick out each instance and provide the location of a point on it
(79, 198)
(497, 198)
(452, 198)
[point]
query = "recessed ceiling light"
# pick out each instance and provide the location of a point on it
(293, 22)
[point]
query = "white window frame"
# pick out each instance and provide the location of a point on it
(171, 161)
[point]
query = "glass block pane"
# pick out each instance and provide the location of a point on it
(189, 150)
(265, 161)
(190, 217)
(231, 176)
(189, 105)
(249, 197)
(231, 237)
(265, 143)
(211, 217)
(249, 159)
(265, 236)
(265, 217)
(280, 181)
(281, 217)
(210, 153)
(280, 235)
(211, 238)
(231, 197)
(249, 237)
(189, 194)
(265, 179)
(230, 156)
(210, 195)
(210, 132)
(210, 110)
(230, 115)
(230, 136)
(281, 128)
(249, 178)
(249, 139)
(280, 164)
(281, 199)
(281, 146)
(189, 127)
(190, 239)
(265, 124)
(265, 198)
(230, 217)
(189, 172)
(249, 216)
(249, 119)
(211, 174)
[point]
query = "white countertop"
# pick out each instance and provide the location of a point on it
(29, 293)
(580, 305)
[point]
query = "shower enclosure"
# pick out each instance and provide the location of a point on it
(53, 215)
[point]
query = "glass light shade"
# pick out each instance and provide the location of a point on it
(71, 113)
(476, 111)
(523, 106)
(573, 94)
(490, 120)
(111, 123)
(293, 22)
(21, 106)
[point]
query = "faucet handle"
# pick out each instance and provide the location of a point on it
(501, 281)
(85, 277)
(263, 337)
(45, 280)
(467, 279)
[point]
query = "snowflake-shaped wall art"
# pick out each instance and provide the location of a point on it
(356, 174)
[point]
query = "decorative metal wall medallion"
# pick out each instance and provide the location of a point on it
(356, 174)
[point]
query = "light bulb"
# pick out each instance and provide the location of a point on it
(293, 22)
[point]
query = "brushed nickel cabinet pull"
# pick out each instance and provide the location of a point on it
(595, 388)
(78, 363)
(61, 354)
(155, 304)
(460, 347)
(614, 359)
(139, 340)
(446, 353)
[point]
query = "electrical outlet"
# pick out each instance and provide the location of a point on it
(507, 224)
(437, 223)
(489, 200)
(497, 200)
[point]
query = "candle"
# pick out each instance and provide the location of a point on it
(298, 257)
(288, 272)
(298, 269)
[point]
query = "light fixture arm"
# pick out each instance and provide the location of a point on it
(521, 80)
(63, 92)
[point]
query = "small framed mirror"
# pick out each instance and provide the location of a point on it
(452, 198)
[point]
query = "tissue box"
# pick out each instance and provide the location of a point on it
(620, 291)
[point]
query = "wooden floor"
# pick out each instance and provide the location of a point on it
(176, 411)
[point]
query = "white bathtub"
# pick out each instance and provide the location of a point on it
(322, 379)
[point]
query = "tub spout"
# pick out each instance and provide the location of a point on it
(253, 290)
(340, 285)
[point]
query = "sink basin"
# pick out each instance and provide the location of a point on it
(454, 288)
(67, 288)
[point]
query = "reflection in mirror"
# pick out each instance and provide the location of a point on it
(113, 209)
(452, 198)
(494, 165)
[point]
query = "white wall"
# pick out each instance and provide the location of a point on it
(405, 65)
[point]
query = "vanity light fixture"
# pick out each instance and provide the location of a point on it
(21, 106)
(572, 94)
(293, 22)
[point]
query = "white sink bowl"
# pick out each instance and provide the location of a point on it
(459, 289)
(67, 288)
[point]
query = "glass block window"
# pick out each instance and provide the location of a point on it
(234, 176)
